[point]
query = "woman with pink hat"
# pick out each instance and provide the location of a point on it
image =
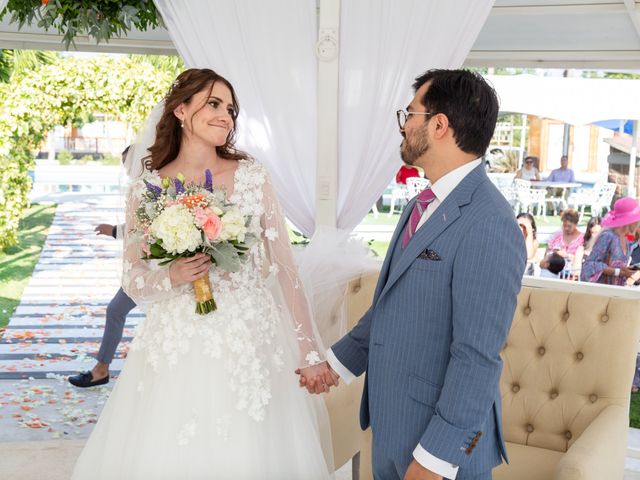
(608, 262)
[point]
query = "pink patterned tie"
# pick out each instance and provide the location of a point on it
(425, 197)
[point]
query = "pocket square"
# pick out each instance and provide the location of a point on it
(429, 254)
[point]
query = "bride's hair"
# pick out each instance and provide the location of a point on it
(168, 130)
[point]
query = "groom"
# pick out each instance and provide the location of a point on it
(430, 342)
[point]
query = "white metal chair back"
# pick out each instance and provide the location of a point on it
(416, 184)
(528, 197)
(605, 196)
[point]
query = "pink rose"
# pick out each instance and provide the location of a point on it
(212, 227)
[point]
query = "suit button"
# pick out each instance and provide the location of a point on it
(579, 355)
(527, 310)
(604, 318)
(541, 351)
(567, 435)
(529, 428)
(554, 394)
(593, 397)
(515, 388)
(565, 317)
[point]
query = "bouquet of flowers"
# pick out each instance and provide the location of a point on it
(177, 220)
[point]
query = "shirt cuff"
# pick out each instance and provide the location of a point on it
(340, 369)
(434, 464)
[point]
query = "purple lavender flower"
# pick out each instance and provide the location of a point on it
(154, 189)
(208, 180)
(179, 186)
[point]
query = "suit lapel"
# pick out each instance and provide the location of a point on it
(397, 234)
(447, 213)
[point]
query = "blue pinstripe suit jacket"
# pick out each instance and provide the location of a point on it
(430, 341)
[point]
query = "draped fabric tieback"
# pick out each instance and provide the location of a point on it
(422, 202)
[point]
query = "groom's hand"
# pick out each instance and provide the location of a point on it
(418, 472)
(318, 378)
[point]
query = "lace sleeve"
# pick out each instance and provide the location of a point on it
(143, 280)
(283, 267)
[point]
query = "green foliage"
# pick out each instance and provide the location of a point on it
(111, 159)
(64, 157)
(100, 19)
(85, 159)
(15, 63)
(66, 92)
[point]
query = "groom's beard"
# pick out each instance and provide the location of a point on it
(414, 147)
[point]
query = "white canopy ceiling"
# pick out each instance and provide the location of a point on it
(576, 101)
(518, 33)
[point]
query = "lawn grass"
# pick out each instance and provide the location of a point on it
(17, 263)
(634, 411)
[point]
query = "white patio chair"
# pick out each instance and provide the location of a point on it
(583, 197)
(415, 185)
(529, 198)
(400, 194)
(604, 198)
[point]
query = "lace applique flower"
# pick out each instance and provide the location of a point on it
(139, 282)
(271, 233)
(187, 432)
(312, 358)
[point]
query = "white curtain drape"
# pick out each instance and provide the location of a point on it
(266, 50)
(383, 47)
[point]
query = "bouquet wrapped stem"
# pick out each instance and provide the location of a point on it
(204, 296)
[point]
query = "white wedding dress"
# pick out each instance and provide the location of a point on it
(215, 396)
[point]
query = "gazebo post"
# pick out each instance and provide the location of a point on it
(631, 183)
(327, 51)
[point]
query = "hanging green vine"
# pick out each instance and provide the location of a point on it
(100, 19)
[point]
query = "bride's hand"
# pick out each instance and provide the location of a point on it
(318, 378)
(186, 270)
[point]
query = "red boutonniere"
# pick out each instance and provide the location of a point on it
(45, 2)
(631, 237)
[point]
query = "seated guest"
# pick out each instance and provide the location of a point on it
(567, 240)
(528, 170)
(590, 235)
(406, 171)
(552, 266)
(529, 231)
(609, 258)
(563, 174)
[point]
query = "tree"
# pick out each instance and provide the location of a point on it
(18, 62)
(66, 92)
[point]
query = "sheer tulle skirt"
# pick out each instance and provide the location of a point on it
(182, 421)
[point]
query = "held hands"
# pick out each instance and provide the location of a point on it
(186, 270)
(104, 229)
(318, 378)
(418, 472)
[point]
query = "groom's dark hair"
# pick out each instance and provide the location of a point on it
(468, 101)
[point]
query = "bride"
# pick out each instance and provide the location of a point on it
(213, 396)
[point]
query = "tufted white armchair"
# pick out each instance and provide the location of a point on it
(568, 365)
(566, 381)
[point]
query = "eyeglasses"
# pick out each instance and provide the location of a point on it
(403, 116)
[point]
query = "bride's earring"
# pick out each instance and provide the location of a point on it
(182, 124)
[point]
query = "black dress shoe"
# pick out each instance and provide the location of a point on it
(85, 379)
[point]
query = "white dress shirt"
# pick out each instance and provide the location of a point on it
(441, 189)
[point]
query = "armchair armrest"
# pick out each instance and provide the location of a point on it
(599, 452)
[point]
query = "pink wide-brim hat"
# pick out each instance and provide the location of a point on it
(625, 212)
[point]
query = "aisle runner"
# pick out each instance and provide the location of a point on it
(58, 326)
